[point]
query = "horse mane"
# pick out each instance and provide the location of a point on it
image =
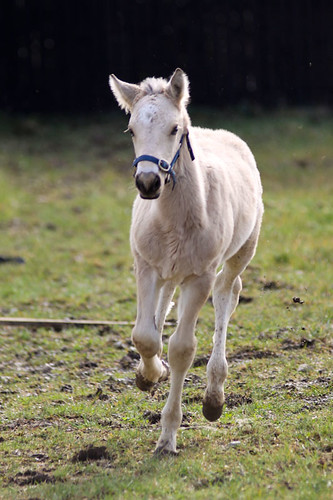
(151, 86)
(155, 86)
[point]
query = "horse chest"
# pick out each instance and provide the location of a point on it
(176, 254)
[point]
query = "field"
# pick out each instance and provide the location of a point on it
(72, 423)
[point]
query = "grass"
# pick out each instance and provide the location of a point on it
(65, 205)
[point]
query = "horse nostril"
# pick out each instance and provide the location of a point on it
(157, 183)
(138, 182)
(148, 184)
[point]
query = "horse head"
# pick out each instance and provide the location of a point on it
(158, 124)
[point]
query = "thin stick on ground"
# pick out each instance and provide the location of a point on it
(63, 323)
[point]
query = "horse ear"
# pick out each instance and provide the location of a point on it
(178, 87)
(125, 93)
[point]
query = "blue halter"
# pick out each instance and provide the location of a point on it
(163, 165)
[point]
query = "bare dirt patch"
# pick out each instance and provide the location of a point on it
(119, 385)
(88, 365)
(289, 344)
(153, 417)
(31, 477)
(245, 300)
(316, 402)
(99, 394)
(91, 453)
(250, 353)
(130, 360)
(201, 361)
(267, 285)
(233, 400)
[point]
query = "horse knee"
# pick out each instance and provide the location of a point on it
(181, 351)
(147, 342)
(226, 294)
(226, 282)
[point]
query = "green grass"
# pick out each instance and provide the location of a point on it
(65, 204)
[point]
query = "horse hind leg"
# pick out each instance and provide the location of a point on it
(164, 304)
(227, 288)
(225, 299)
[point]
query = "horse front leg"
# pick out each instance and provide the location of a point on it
(182, 347)
(145, 335)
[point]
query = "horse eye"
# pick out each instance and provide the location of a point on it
(174, 130)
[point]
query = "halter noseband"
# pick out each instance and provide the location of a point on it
(163, 165)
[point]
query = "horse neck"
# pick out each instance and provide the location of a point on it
(185, 205)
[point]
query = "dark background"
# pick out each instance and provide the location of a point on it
(56, 55)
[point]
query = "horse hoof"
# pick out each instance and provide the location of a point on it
(162, 452)
(211, 412)
(143, 383)
(147, 385)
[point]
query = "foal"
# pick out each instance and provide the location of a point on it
(199, 206)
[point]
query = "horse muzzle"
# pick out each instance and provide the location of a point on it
(149, 185)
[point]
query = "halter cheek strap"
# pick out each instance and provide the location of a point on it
(163, 165)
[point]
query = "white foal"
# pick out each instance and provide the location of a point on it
(199, 206)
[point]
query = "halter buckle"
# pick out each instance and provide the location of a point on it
(163, 165)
